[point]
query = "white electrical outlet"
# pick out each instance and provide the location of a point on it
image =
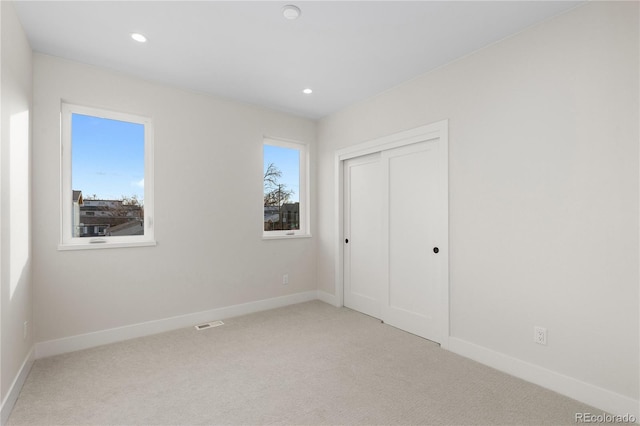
(285, 279)
(540, 335)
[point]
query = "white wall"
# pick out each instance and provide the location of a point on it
(15, 216)
(208, 211)
(543, 192)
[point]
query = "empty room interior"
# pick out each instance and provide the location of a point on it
(383, 212)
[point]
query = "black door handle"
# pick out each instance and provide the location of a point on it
(436, 250)
(346, 241)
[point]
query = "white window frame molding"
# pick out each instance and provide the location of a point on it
(67, 240)
(304, 187)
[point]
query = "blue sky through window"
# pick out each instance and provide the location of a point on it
(107, 157)
(288, 162)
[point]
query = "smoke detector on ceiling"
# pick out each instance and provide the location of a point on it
(291, 12)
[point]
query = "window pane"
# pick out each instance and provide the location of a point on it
(107, 177)
(281, 188)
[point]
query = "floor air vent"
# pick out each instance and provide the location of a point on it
(208, 325)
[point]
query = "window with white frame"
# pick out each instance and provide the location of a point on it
(286, 184)
(106, 179)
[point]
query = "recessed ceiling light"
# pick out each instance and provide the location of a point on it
(139, 37)
(307, 91)
(291, 12)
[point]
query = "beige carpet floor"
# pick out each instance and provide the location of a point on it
(309, 363)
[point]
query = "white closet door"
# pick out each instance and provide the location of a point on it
(411, 235)
(396, 225)
(363, 283)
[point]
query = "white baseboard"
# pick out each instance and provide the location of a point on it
(16, 387)
(327, 298)
(595, 396)
(103, 337)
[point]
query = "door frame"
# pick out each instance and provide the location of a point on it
(438, 130)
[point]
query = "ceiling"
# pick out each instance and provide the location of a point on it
(345, 51)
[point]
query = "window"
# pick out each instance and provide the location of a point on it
(107, 179)
(286, 182)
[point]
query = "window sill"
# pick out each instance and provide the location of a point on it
(105, 245)
(285, 237)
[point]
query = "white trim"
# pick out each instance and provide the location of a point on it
(396, 140)
(445, 303)
(328, 298)
(15, 388)
(419, 134)
(112, 335)
(64, 247)
(339, 229)
(67, 240)
(304, 188)
(285, 237)
(603, 399)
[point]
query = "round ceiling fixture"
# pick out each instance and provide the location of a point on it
(291, 12)
(139, 37)
(307, 91)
